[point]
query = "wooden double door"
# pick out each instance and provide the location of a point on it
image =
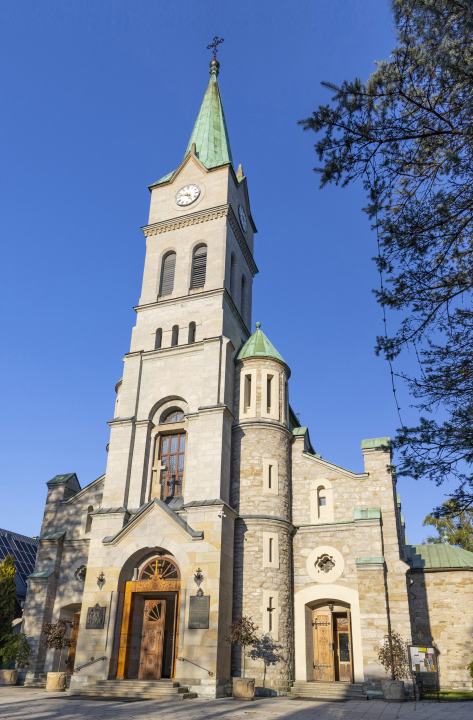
(152, 640)
(332, 645)
(71, 657)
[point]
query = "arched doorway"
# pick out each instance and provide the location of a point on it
(332, 642)
(317, 598)
(150, 622)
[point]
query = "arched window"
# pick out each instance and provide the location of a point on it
(158, 339)
(233, 276)
(244, 298)
(175, 335)
(168, 465)
(160, 568)
(199, 266)
(167, 274)
(172, 416)
(88, 522)
(322, 502)
(191, 332)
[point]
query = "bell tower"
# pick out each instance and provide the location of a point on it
(193, 316)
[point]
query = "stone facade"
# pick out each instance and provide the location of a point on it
(248, 512)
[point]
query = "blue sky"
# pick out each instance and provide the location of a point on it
(99, 100)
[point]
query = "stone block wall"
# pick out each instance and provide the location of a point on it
(441, 605)
(271, 663)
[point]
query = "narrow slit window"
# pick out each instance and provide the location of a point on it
(270, 613)
(270, 550)
(199, 267)
(191, 332)
(269, 388)
(88, 522)
(270, 477)
(175, 336)
(233, 276)
(158, 339)
(167, 274)
(247, 392)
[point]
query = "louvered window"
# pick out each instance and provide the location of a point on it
(199, 266)
(167, 274)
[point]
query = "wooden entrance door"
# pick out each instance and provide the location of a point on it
(72, 648)
(343, 648)
(323, 645)
(152, 640)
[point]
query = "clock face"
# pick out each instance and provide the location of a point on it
(243, 220)
(187, 195)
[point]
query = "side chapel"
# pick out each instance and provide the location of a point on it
(214, 503)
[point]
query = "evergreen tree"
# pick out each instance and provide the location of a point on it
(455, 529)
(408, 134)
(7, 597)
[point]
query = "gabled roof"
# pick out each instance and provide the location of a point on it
(210, 134)
(437, 556)
(60, 479)
(258, 345)
(158, 504)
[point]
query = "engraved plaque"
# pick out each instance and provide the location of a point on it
(199, 611)
(95, 618)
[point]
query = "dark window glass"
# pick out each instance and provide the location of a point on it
(344, 647)
(172, 458)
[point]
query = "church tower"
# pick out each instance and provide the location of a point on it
(193, 315)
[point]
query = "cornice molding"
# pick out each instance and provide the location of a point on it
(262, 424)
(204, 216)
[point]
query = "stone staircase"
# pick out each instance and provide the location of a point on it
(136, 689)
(328, 691)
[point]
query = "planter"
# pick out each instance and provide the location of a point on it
(56, 681)
(393, 690)
(8, 677)
(243, 688)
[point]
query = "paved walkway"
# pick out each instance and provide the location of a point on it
(19, 703)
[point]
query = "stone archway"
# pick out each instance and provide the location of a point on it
(303, 626)
(159, 584)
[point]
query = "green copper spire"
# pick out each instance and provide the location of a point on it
(258, 345)
(209, 140)
(210, 134)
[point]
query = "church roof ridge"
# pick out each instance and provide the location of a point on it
(258, 345)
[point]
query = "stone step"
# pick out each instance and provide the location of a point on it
(164, 685)
(117, 695)
(144, 689)
(328, 690)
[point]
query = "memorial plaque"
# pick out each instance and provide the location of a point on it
(199, 611)
(95, 618)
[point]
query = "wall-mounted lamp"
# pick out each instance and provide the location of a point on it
(101, 580)
(330, 606)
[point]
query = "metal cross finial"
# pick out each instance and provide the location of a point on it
(213, 45)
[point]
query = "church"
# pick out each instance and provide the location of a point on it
(215, 504)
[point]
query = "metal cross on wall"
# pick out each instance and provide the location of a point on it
(213, 45)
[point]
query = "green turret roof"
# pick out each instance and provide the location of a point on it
(210, 134)
(258, 345)
(438, 555)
